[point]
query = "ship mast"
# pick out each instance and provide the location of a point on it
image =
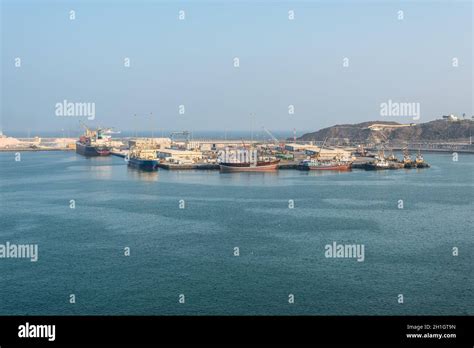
(89, 132)
(321, 149)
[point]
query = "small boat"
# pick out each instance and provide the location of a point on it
(315, 164)
(420, 162)
(85, 147)
(376, 165)
(407, 161)
(379, 162)
(392, 157)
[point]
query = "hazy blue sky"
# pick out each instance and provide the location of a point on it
(190, 62)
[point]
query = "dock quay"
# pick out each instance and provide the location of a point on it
(198, 154)
(212, 166)
(362, 163)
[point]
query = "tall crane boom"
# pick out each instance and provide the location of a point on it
(89, 132)
(271, 135)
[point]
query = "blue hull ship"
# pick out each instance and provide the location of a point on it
(148, 165)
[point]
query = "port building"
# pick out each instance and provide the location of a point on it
(179, 156)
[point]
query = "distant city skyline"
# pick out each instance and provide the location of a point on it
(215, 66)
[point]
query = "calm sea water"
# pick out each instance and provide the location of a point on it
(191, 251)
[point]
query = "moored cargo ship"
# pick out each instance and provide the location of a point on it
(84, 147)
(93, 143)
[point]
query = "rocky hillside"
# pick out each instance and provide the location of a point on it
(434, 131)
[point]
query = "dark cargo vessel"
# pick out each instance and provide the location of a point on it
(93, 143)
(143, 164)
(85, 148)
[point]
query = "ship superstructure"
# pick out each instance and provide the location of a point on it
(94, 142)
(143, 155)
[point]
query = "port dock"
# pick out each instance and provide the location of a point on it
(198, 166)
(362, 163)
(186, 154)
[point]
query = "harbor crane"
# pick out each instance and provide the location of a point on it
(98, 132)
(271, 135)
(321, 148)
(89, 132)
(385, 140)
(274, 138)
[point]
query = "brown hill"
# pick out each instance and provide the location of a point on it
(434, 131)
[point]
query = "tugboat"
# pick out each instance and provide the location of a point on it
(142, 158)
(360, 151)
(378, 163)
(392, 157)
(93, 143)
(407, 161)
(420, 162)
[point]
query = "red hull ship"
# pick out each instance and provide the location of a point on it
(84, 147)
(93, 142)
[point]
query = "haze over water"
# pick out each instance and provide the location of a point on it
(424, 57)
